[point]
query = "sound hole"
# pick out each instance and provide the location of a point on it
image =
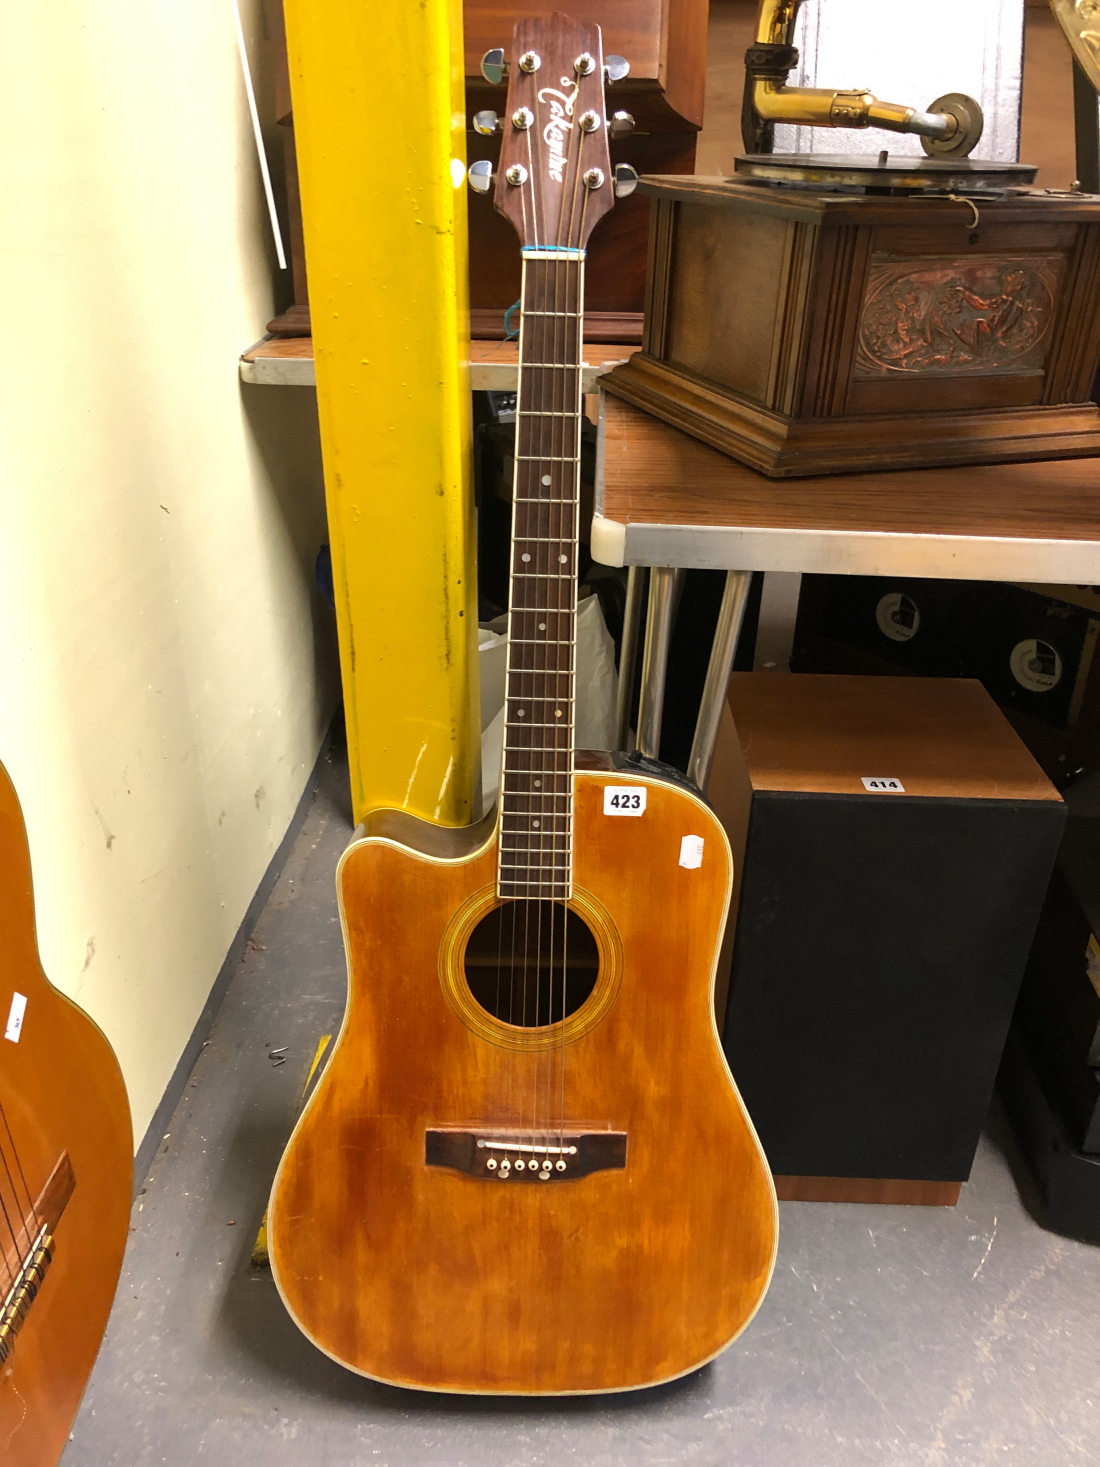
(531, 963)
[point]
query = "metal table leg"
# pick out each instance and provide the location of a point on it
(665, 584)
(628, 654)
(730, 616)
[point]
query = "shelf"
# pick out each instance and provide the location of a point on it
(494, 365)
(665, 499)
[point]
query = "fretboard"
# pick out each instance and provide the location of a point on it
(536, 799)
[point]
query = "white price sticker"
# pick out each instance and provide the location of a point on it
(15, 1017)
(619, 800)
(878, 785)
(691, 852)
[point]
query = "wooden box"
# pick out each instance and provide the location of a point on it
(808, 333)
(893, 841)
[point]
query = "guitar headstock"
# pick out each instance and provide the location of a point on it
(554, 180)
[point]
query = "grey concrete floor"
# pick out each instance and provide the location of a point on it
(946, 1338)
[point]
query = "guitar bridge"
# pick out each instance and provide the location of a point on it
(25, 1271)
(533, 1156)
(22, 1293)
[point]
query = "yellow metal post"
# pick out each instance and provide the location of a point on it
(377, 92)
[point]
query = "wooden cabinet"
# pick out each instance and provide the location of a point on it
(807, 333)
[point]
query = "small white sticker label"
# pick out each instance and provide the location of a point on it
(878, 785)
(15, 1017)
(691, 852)
(619, 800)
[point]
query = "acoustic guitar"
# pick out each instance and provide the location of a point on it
(526, 1168)
(65, 1178)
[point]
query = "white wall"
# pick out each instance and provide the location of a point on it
(161, 702)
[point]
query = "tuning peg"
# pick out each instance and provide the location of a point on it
(620, 126)
(494, 68)
(486, 123)
(479, 176)
(615, 67)
(626, 180)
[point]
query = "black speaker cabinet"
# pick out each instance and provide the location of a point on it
(1032, 647)
(894, 840)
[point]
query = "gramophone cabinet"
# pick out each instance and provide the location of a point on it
(809, 332)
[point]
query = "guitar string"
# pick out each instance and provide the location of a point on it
(30, 1210)
(535, 897)
(530, 230)
(574, 516)
(565, 424)
(528, 433)
(17, 1252)
(572, 427)
(559, 429)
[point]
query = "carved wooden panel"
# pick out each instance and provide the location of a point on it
(957, 317)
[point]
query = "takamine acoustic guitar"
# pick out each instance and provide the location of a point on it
(65, 1178)
(526, 1168)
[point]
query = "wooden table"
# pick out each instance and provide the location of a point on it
(494, 365)
(667, 501)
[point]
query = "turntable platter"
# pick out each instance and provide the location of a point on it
(900, 174)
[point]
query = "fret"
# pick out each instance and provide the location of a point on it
(547, 458)
(573, 315)
(550, 885)
(550, 366)
(543, 697)
(527, 866)
(542, 795)
(546, 413)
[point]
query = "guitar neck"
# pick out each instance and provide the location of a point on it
(536, 802)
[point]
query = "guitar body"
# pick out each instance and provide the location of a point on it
(413, 1271)
(67, 1166)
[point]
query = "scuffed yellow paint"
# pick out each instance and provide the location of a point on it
(379, 126)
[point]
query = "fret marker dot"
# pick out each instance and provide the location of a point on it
(557, 712)
(538, 784)
(542, 626)
(563, 558)
(535, 824)
(525, 556)
(520, 713)
(547, 480)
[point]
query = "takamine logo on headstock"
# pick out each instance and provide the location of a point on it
(554, 180)
(557, 129)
